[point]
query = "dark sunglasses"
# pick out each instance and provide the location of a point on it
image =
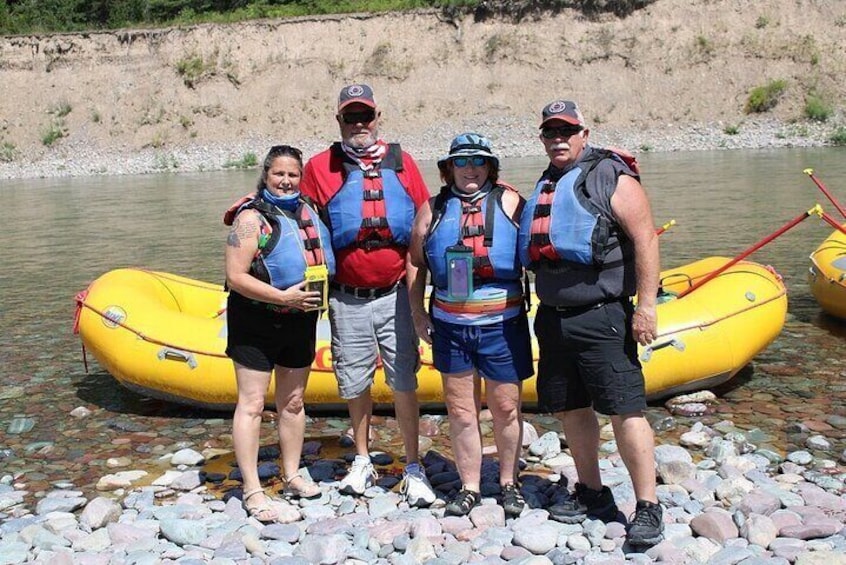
(462, 162)
(562, 131)
(364, 117)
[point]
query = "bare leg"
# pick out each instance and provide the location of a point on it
(290, 386)
(582, 430)
(462, 395)
(246, 426)
(504, 403)
(636, 443)
(408, 416)
(360, 409)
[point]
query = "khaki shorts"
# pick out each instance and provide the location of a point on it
(363, 330)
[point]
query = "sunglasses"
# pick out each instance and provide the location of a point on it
(364, 117)
(462, 162)
(562, 131)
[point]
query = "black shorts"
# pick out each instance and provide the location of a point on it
(588, 357)
(259, 340)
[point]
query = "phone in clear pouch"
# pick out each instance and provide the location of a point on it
(317, 279)
(459, 263)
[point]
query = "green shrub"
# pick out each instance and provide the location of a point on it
(731, 130)
(7, 152)
(194, 68)
(247, 161)
(762, 22)
(817, 109)
(53, 132)
(61, 109)
(838, 137)
(763, 98)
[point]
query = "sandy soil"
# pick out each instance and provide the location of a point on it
(675, 64)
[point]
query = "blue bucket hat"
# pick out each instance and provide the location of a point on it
(469, 145)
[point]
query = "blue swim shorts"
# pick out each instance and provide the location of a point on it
(501, 351)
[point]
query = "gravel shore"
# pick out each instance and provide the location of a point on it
(725, 501)
(511, 138)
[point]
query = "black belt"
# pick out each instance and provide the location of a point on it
(572, 310)
(368, 293)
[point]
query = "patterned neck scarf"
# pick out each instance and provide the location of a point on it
(368, 157)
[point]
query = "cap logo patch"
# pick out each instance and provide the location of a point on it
(355, 90)
(557, 107)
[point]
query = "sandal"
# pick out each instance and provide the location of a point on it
(307, 491)
(264, 513)
(463, 503)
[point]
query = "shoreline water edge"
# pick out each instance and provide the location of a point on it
(513, 138)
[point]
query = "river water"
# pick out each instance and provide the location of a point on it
(62, 233)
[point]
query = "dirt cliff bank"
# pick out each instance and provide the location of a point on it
(93, 100)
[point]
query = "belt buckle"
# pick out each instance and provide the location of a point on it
(370, 293)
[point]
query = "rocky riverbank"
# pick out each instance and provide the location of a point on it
(510, 138)
(726, 501)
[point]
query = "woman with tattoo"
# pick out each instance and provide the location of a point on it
(277, 243)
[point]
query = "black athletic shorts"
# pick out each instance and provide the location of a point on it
(588, 357)
(258, 339)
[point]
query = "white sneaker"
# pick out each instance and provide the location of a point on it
(361, 475)
(415, 486)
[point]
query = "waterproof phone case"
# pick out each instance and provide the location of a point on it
(459, 263)
(317, 279)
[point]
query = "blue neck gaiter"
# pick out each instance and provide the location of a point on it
(287, 202)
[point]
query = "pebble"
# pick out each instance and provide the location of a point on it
(721, 506)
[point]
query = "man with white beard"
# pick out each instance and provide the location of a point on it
(588, 234)
(369, 192)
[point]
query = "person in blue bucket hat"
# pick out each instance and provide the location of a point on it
(466, 237)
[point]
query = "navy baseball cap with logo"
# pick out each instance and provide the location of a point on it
(565, 111)
(356, 93)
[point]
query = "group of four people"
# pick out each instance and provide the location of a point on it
(360, 217)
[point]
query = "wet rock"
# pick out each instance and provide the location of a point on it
(99, 512)
(20, 424)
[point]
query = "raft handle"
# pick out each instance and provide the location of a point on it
(646, 355)
(177, 355)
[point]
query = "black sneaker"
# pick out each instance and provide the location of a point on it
(586, 503)
(463, 503)
(512, 500)
(646, 526)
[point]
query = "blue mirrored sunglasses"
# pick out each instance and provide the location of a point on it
(462, 162)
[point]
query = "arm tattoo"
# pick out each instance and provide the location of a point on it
(241, 231)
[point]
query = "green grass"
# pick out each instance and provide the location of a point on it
(8, 151)
(763, 98)
(53, 132)
(247, 161)
(731, 130)
(838, 137)
(61, 109)
(817, 109)
(193, 68)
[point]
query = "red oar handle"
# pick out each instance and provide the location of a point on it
(821, 186)
(832, 222)
(714, 274)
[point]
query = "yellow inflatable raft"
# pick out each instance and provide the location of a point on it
(164, 336)
(827, 275)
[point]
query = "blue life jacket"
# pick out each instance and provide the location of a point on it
(295, 241)
(392, 216)
(560, 222)
(481, 225)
